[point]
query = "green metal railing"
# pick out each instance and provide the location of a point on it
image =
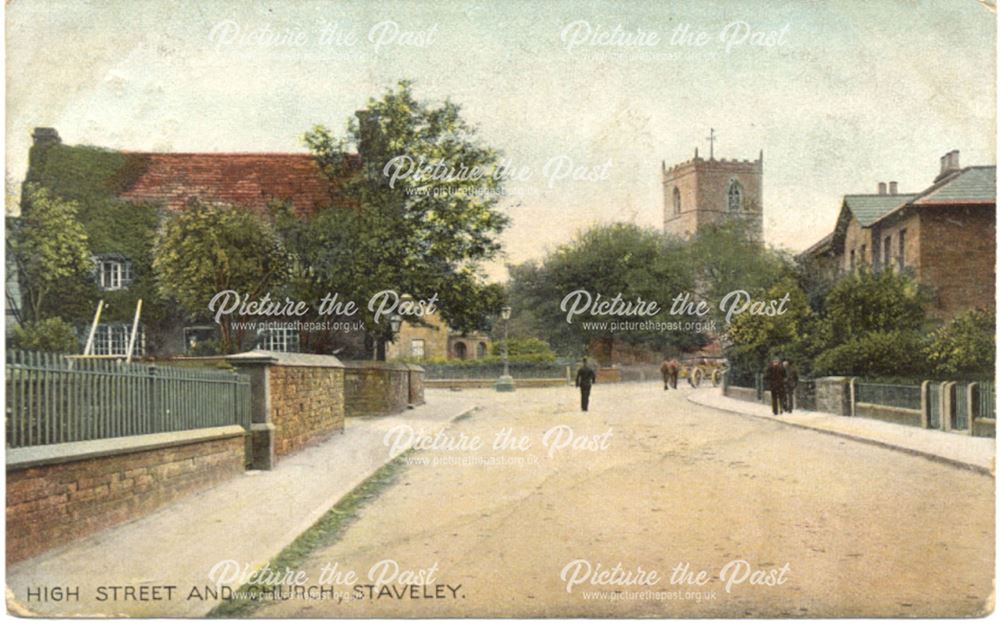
(58, 399)
(987, 400)
(901, 396)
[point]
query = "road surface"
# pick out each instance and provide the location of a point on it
(649, 505)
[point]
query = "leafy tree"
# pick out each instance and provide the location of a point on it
(51, 335)
(607, 260)
(965, 346)
(49, 246)
(726, 257)
(873, 325)
(755, 339)
(877, 353)
(415, 220)
(868, 301)
(210, 248)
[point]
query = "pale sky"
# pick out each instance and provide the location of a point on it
(850, 93)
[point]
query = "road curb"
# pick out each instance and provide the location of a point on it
(979, 469)
(278, 545)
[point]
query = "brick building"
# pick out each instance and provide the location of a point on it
(701, 192)
(944, 235)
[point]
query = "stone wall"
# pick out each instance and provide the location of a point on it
(64, 492)
(307, 405)
(375, 388)
(886, 413)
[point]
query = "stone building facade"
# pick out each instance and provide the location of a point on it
(435, 340)
(944, 235)
(700, 193)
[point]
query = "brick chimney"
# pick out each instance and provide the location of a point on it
(949, 164)
(893, 188)
(46, 136)
(881, 188)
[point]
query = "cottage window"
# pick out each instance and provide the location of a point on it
(113, 272)
(112, 339)
(901, 255)
(863, 256)
(887, 252)
(417, 348)
(852, 259)
(735, 195)
(282, 340)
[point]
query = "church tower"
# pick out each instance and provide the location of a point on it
(701, 192)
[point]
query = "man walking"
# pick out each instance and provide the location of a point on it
(775, 379)
(585, 377)
(791, 382)
(675, 369)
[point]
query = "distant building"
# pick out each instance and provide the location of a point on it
(701, 192)
(434, 340)
(945, 235)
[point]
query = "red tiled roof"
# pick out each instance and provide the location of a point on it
(244, 179)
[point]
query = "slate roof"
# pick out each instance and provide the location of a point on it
(973, 185)
(969, 186)
(249, 180)
(870, 208)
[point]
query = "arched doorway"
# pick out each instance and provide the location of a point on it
(480, 350)
(460, 350)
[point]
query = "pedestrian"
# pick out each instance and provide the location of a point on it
(665, 373)
(585, 377)
(791, 382)
(675, 369)
(775, 379)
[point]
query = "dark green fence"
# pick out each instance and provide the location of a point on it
(58, 399)
(986, 406)
(901, 396)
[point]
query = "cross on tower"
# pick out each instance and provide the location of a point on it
(711, 144)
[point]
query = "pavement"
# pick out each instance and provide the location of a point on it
(249, 519)
(958, 449)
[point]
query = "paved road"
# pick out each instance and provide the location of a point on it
(826, 526)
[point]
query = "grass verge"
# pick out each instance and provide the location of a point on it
(325, 532)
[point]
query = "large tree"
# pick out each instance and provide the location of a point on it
(49, 247)
(207, 249)
(607, 260)
(418, 194)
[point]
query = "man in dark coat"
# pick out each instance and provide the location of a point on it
(791, 382)
(774, 378)
(585, 377)
(675, 369)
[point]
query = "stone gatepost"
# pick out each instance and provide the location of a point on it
(297, 400)
(256, 365)
(833, 395)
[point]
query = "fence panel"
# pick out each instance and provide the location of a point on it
(986, 407)
(961, 410)
(890, 395)
(58, 399)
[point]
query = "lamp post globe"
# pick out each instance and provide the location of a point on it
(506, 382)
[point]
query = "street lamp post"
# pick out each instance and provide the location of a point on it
(506, 382)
